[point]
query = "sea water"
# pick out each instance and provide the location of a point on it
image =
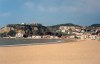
(7, 41)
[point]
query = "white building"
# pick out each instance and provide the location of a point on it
(67, 28)
(19, 35)
(36, 37)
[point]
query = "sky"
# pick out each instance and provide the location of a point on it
(50, 12)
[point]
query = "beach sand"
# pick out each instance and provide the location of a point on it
(81, 52)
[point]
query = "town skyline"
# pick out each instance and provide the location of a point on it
(50, 12)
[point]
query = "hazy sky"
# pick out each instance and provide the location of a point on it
(50, 12)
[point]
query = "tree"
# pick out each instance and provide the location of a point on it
(95, 25)
(3, 34)
(11, 33)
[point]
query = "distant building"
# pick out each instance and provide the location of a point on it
(19, 35)
(22, 23)
(67, 28)
(97, 28)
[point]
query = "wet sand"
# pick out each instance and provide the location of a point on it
(81, 52)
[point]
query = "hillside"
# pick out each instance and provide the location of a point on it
(95, 25)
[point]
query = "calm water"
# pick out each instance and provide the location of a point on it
(26, 41)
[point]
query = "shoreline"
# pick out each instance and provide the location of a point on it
(31, 42)
(10, 42)
(18, 41)
(26, 38)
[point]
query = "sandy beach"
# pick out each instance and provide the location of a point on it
(81, 52)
